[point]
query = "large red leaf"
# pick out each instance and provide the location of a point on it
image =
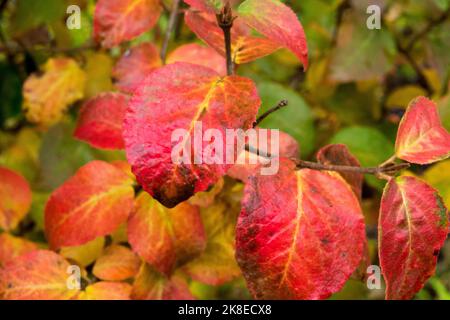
(92, 203)
(197, 54)
(277, 22)
(38, 275)
(12, 247)
(412, 229)
(135, 65)
(178, 233)
(245, 48)
(101, 119)
(421, 138)
(300, 234)
(183, 96)
(116, 21)
(116, 264)
(15, 198)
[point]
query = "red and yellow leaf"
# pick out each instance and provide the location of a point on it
(100, 121)
(277, 22)
(245, 48)
(47, 97)
(116, 264)
(413, 226)
(197, 54)
(183, 98)
(37, 275)
(12, 247)
(116, 21)
(107, 291)
(177, 234)
(92, 203)
(421, 138)
(294, 239)
(15, 198)
(151, 285)
(135, 65)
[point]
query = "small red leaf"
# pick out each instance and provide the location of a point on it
(338, 154)
(15, 198)
(116, 21)
(135, 65)
(187, 100)
(421, 138)
(38, 275)
(116, 264)
(178, 232)
(196, 54)
(92, 203)
(412, 229)
(295, 240)
(100, 121)
(277, 22)
(12, 247)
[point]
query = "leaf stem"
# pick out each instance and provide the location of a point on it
(225, 21)
(172, 23)
(283, 103)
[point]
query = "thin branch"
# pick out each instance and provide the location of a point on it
(281, 104)
(225, 21)
(172, 23)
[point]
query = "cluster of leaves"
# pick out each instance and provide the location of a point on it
(147, 228)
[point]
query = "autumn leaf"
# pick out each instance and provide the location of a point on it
(292, 251)
(12, 247)
(421, 138)
(277, 22)
(100, 121)
(107, 291)
(197, 54)
(84, 254)
(151, 285)
(244, 47)
(183, 97)
(116, 21)
(212, 6)
(135, 65)
(116, 264)
(177, 233)
(92, 203)
(413, 226)
(37, 275)
(15, 198)
(47, 97)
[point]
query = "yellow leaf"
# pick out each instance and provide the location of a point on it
(98, 71)
(438, 176)
(86, 253)
(401, 97)
(47, 96)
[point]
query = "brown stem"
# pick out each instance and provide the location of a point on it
(225, 21)
(283, 103)
(172, 23)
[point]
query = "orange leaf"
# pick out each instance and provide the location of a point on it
(116, 264)
(413, 226)
(92, 203)
(107, 291)
(421, 138)
(38, 275)
(12, 247)
(15, 198)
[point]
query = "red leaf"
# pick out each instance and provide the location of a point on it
(178, 232)
(116, 264)
(196, 54)
(294, 239)
(278, 23)
(100, 121)
(135, 65)
(92, 203)
(338, 154)
(421, 138)
(412, 229)
(116, 21)
(12, 247)
(182, 96)
(15, 198)
(245, 48)
(107, 291)
(150, 285)
(38, 275)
